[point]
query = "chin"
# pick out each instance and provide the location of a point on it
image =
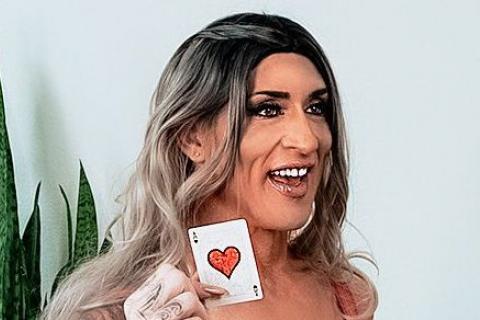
(296, 217)
(292, 223)
(301, 223)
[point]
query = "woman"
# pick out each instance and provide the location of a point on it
(245, 123)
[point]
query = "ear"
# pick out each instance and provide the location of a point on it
(194, 143)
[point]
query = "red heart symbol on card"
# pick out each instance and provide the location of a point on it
(225, 261)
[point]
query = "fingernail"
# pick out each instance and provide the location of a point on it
(215, 290)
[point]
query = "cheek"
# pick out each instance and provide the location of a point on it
(257, 142)
(325, 139)
(256, 146)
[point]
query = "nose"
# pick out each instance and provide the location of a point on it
(299, 134)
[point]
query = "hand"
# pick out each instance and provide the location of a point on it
(170, 294)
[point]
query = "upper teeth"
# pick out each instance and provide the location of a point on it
(294, 172)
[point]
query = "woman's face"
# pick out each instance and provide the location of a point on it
(284, 145)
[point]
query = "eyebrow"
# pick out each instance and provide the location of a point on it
(316, 94)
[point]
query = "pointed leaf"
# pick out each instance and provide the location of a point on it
(107, 243)
(86, 236)
(62, 273)
(45, 302)
(12, 273)
(108, 239)
(31, 245)
(69, 225)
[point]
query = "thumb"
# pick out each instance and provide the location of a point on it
(205, 290)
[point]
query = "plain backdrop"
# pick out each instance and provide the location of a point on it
(77, 77)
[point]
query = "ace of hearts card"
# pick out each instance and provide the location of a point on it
(224, 257)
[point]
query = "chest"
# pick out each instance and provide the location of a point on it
(306, 303)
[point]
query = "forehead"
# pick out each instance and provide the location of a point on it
(286, 72)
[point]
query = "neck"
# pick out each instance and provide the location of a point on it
(274, 261)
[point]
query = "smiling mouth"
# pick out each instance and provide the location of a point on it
(291, 184)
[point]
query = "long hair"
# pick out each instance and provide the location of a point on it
(209, 72)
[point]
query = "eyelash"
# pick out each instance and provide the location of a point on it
(255, 111)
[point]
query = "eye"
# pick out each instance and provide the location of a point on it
(318, 108)
(266, 110)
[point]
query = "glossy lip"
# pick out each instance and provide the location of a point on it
(297, 192)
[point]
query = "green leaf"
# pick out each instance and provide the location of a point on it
(12, 272)
(107, 243)
(86, 236)
(45, 301)
(69, 225)
(31, 245)
(62, 273)
(69, 266)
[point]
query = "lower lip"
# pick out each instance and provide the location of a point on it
(291, 191)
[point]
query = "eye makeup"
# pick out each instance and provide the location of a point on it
(270, 109)
(267, 109)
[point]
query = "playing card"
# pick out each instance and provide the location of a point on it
(224, 257)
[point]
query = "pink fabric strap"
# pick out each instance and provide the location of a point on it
(345, 299)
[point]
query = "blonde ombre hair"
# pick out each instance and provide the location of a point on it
(211, 71)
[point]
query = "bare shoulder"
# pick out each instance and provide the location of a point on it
(356, 297)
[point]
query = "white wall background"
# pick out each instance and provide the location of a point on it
(77, 77)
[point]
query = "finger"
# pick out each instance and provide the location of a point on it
(184, 305)
(152, 281)
(195, 276)
(174, 283)
(202, 294)
(160, 289)
(194, 318)
(206, 291)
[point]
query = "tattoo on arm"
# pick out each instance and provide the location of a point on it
(142, 316)
(158, 292)
(170, 310)
(152, 299)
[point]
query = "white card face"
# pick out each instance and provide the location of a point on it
(224, 257)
